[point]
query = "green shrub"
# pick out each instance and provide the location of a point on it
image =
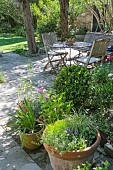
(102, 95)
(20, 51)
(74, 83)
(103, 73)
(102, 86)
(47, 26)
(20, 31)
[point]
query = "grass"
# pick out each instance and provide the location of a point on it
(10, 42)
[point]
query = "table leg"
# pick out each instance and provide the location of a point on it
(70, 55)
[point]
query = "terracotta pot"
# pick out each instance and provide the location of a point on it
(70, 42)
(70, 160)
(30, 141)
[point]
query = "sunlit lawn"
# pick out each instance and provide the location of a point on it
(10, 42)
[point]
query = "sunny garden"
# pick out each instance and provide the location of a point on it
(75, 116)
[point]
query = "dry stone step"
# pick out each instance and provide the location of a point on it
(30, 166)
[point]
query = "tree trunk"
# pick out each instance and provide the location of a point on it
(64, 5)
(111, 20)
(29, 26)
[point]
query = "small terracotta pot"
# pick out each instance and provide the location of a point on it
(70, 160)
(31, 141)
(70, 42)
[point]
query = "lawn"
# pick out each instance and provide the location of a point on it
(11, 43)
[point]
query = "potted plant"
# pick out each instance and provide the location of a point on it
(71, 142)
(29, 125)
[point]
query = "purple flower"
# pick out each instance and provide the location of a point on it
(68, 129)
(46, 95)
(75, 132)
(41, 89)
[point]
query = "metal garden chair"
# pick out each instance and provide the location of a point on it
(56, 58)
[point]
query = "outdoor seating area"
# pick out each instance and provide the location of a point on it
(82, 56)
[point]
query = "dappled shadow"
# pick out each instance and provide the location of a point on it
(12, 156)
(15, 67)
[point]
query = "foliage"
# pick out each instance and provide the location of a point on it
(47, 13)
(26, 88)
(2, 79)
(25, 120)
(81, 31)
(20, 50)
(103, 73)
(102, 95)
(102, 86)
(87, 166)
(54, 108)
(72, 133)
(101, 122)
(19, 31)
(74, 83)
(10, 15)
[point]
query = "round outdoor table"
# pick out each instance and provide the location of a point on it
(80, 46)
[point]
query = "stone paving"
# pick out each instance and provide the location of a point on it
(12, 156)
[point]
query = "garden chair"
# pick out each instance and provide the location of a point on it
(96, 54)
(57, 57)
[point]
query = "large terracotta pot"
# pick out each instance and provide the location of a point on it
(70, 160)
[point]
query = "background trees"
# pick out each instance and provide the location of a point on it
(50, 15)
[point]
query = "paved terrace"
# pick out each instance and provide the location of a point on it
(12, 156)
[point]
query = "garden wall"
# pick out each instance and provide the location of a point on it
(91, 36)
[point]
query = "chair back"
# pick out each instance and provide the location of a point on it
(98, 49)
(48, 40)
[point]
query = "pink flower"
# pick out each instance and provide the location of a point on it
(108, 58)
(41, 89)
(46, 96)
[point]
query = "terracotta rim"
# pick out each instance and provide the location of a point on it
(76, 154)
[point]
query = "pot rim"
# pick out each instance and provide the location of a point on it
(79, 153)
